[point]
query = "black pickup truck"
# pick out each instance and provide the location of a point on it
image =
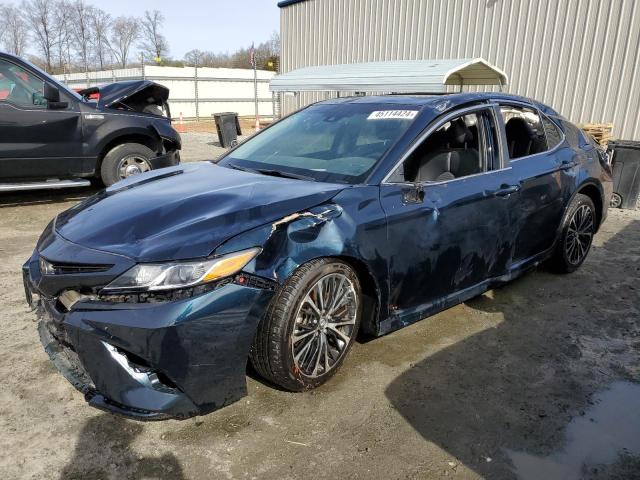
(53, 137)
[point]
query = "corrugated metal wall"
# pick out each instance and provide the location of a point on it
(579, 56)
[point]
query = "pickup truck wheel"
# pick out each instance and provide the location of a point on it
(124, 161)
(310, 325)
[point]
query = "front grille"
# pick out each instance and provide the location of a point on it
(49, 267)
(65, 269)
(160, 297)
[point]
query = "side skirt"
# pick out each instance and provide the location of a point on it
(402, 318)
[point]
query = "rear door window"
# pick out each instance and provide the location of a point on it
(524, 131)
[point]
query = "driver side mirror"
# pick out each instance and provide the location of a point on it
(51, 93)
(52, 96)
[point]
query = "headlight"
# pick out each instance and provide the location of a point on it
(169, 276)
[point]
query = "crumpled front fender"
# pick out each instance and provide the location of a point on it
(327, 230)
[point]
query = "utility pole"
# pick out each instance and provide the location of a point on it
(196, 90)
(255, 84)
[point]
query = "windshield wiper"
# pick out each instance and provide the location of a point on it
(242, 169)
(278, 173)
(273, 173)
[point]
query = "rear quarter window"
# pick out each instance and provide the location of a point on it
(552, 132)
(576, 137)
(572, 133)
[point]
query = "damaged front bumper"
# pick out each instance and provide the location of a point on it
(152, 361)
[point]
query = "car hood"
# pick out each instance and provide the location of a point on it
(113, 93)
(186, 211)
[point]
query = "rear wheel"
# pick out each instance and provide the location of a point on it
(125, 161)
(616, 201)
(578, 228)
(309, 326)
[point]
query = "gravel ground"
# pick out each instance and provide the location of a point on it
(535, 379)
(198, 146)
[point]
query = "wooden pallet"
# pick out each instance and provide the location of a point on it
(602, 132)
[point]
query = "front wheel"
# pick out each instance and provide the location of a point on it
(309, 326)
(125, 161)
(578, 229)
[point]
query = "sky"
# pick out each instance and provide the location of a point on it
(215, 25)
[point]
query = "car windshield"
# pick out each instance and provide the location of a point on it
(327, 142)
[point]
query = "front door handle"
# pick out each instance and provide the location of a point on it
(568, 165)
(505, 191)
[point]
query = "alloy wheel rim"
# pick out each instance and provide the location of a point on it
(132, 165)
(324, 325)
(616, 201)
(579, 235)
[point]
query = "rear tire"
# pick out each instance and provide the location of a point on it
(616, 201)
(124, 161)
(309, 326)
(578, 229)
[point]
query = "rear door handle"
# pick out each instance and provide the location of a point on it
(506, 191)
(568, 165)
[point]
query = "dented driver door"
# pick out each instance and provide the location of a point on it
(447, 239)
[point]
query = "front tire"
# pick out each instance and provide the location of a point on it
(124, 161)
(578, 229)
(310, 325)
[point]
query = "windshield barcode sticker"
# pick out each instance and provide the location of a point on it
(393, 114)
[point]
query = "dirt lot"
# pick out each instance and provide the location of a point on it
(535, 379)
(247, 125)
(201, 146)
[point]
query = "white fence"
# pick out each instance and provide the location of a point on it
(194, 92)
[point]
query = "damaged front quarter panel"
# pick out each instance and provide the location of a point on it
(327, 230)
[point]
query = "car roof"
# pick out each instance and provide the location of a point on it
(436, 100)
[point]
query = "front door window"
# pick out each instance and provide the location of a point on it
(20, 87)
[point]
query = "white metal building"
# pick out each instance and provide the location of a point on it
(194, 93)
(582, 57)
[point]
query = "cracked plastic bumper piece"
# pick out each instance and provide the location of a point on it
(156, 361)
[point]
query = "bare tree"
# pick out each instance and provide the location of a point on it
(274, 44)
(2, 30)
(13, 29)
(267, 56)
(124, 31)
(100, 24)
(153, 42)
(194, 57)
(62, 32)
(40, 17)
(81, 31)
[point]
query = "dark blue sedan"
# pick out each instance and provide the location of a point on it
(353, 216)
